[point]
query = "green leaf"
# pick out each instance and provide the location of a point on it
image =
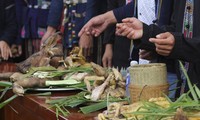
(70, 70)
(189, 82)
(62, 82)
(5, 84)
(60, 110)
(94, 107)
(44, 94)
(76, 102)
(7, 101)
(197, 91)
(4, 92)
(43, 68)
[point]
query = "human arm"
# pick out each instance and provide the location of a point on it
(5, 50)
(109, 34)
(10, 26)
(9, 30)
(16, 50)
(174, 44)
(50, 31)
(108, 55)
(93, 8)
(54, 18)
(55, 13)
(124, 11)
(86, 42)
(98, 24)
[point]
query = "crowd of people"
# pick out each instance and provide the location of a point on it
(163, 31)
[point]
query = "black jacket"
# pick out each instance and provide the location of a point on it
(184, 49)
(121, 45)
(8, 25)
(120, 56)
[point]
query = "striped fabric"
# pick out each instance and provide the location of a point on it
(188, 33)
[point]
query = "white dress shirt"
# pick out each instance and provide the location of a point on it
(146, 14)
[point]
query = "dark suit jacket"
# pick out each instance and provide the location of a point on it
(184, 49)
(121, 45)
(8, 24)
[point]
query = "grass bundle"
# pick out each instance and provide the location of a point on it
(72, 101)
(70, 70)
(5, 87)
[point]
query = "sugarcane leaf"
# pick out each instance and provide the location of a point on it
(60, 110)
(167, 98)
(79, 86)
(197, 91)
(150, 113)
(42, 68)
(5, 84)
(175, 82)
(57, 114)
(7, 101)
(4, 92)
(44, 94)
(76, 102)
(62, 82)
(181, 97)
(56, 101)
(93, 107)
(188, 82)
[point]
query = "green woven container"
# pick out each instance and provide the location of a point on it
(148, 74)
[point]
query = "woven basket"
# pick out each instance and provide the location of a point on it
(148, 74)
(138, 93)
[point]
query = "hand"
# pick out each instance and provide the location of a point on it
(86, 42)
(50, 31)
(164, 43)
(132, 28)
(94, 27)
(107, 57)
(148, 55)
(98, 24)
(16, 50)
(5, 50)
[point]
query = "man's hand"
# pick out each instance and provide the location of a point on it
(50, 31)
(98, 24)
(5, 50)
(107, 57)
(86, 42)
(164, 43)
(16, 50)
(148, 55)
(132, 28)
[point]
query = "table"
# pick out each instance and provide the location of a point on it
(33, 107)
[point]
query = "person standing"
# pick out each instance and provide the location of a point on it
(8, 27)
(181, 42)
(67, 17)
(87, 42)
(152, 11)
(162, 17)
(113, 56)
